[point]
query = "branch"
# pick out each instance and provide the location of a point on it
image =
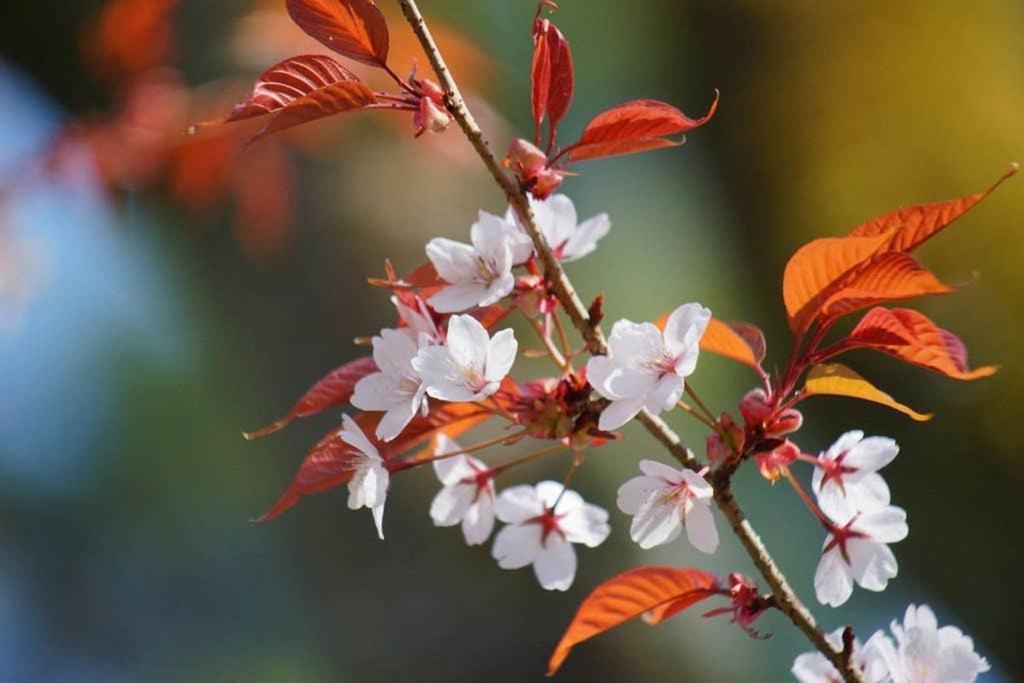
(785, 599)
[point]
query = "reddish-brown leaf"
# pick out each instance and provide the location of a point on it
(629, 595)
(839, 380)
(819, 269)
(329, 463)
(552, 78)
(353, 28)
(635, 126)
(912, 337)
(889, 276)
(909, 226)
(335, 389)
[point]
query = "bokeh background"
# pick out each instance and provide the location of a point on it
(160, 293)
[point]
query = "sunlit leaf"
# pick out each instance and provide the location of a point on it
(353, 28)
(629, 595)
(551, 76)
(335, 389)
(912, 337)
(634, 126)
(889, 276)
(839, 380)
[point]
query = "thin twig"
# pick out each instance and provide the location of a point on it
(785, 599)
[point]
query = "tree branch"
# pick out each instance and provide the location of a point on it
(785, 599)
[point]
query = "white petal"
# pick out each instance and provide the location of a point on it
(517, 545)
(395, 420)
(489, 236)
(683, 329)
(549, 491)
(665, 393)
(376, 391)
(619, 413)
(501, 354)
(393, 352)
(455, 262)
(635, 344)
(627, 382)
(450, 504)
(518, 504)
(832, 582)
(353, 435)
(452, 469)
(598, 370)
(356, 491)
(555, 565)
(700, 528)
(455, 298)
(587, 525)
(653, 468)
(378, 519)
(467, 341)
(844, 443)
(498, 289)
(699, 487)
(887, 525)
(479, 521)
(871, 564)
(873, 453)
(375, 485)
(656, 522)
(584, 239)
(634, 492)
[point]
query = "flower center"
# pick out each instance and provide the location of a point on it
(842, 535)
(835, 469)
(548, 522)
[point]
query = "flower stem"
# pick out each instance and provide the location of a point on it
(522, 460)
(549, 345)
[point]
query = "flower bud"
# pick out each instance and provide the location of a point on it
(758, 412)
(771, 463)
(719, 448)
(529, 163)
(755, 408)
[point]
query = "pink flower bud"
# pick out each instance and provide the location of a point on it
(430, 117)
(529, 163)
(755, 408)
(758, 413)
(771, 463)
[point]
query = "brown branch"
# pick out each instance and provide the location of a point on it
(784, 598)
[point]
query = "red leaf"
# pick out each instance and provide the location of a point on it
(912, 337)
(628, 595)
(910, 226)
(353, 28)
(335, 389)
(889, 276)
(328, 463)
(634, 127)
(552, 78)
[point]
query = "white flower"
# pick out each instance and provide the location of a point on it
(846, 479)
(813, 667)
(477, 275)
(472, 364)
(543, 537)
(368, 487)
(556, 218)
(468, 493)
(419, 323)
(664, 500)
(925, 653)
(857, 551)
(647, 366)
(397, 389)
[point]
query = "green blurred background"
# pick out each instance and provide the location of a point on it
(155, 307)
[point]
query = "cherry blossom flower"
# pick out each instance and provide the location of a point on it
(541, 532)
(925, 653)
(647, 366)
(857, 551)
(477, 275)
(556, 218)
(368, 486)
(813, 667)
(664, 500)
(846, 479)
(397, 389)
(467, 495)
(470, 366)
(418, 321)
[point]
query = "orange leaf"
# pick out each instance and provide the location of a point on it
(910, 226)
(743, 342)
(820, 268)
(635, 126)
(628, 595)
(334, 389)
(912, 337)
(889, 276)
(353, 28)
(839, 380)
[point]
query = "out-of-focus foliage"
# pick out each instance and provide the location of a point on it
(159, 293)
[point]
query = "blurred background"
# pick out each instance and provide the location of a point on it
(159, 293)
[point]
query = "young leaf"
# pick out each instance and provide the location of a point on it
(819, 269)
(635, 126)
(889, 276)
(335, 389)
(629, 595)
(909, 226)
(353, 28)
(552, 79)
(743, 342)
(839, 380)
(912, 337)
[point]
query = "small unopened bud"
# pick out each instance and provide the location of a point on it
(772, 463)
(430, 117)
(758, 413)
(786, 422)
(529, 163)
(719, 448)
(755, 408)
